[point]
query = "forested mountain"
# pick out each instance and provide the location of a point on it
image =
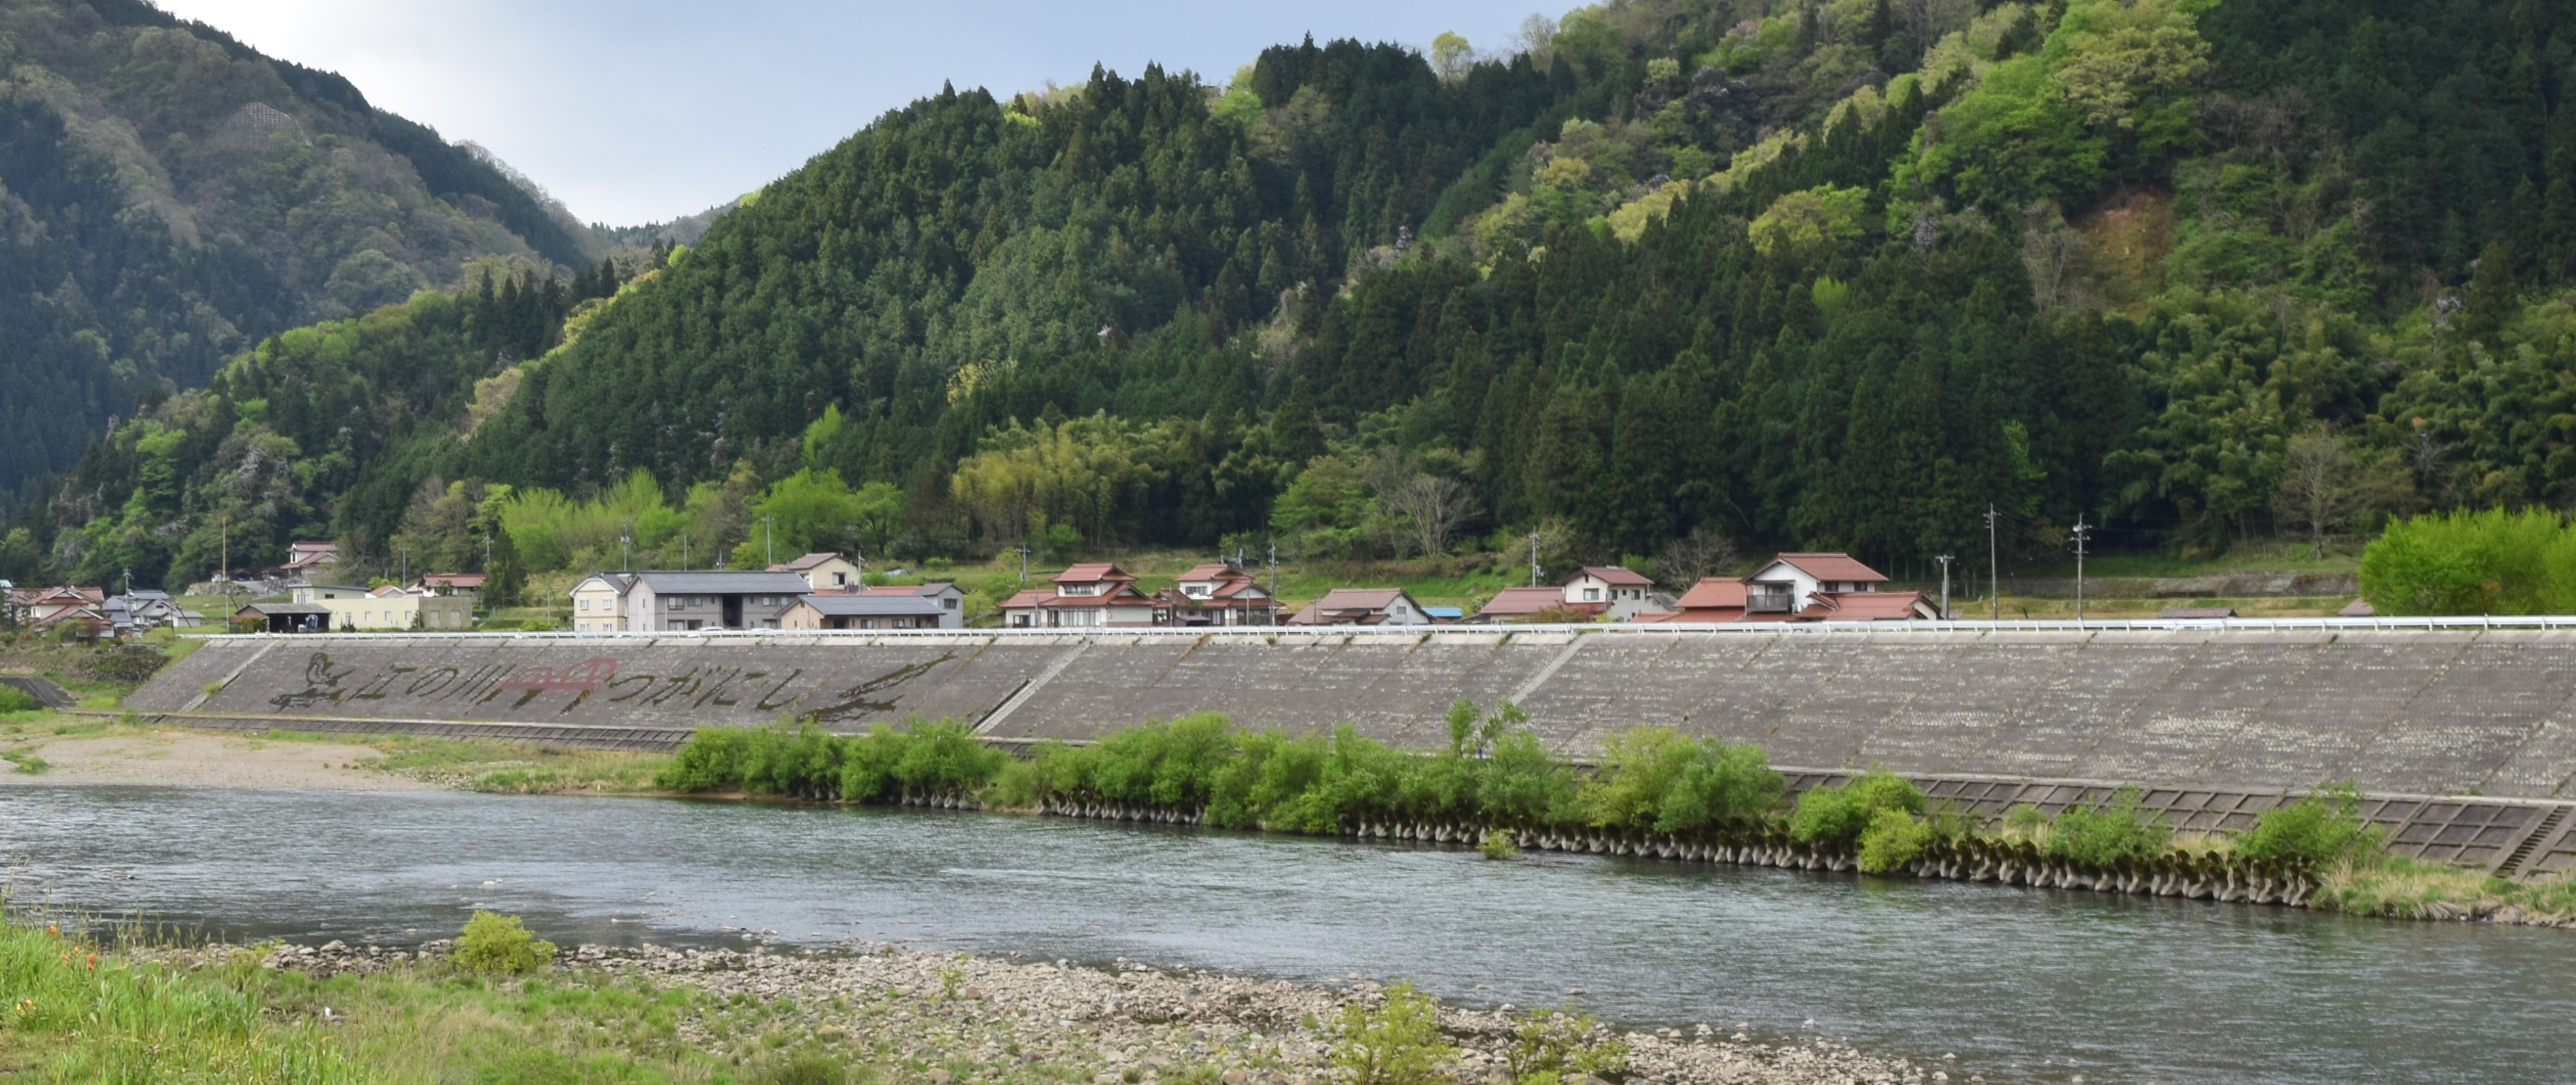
(1814, 273)
(169, 196)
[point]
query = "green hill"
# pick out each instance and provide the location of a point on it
(1840, 275)
(168, 196)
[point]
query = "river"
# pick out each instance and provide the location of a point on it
(2021, 985)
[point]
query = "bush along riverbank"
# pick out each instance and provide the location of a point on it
(1655, 793)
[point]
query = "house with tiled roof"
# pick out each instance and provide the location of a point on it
(1220, 593)
(1800, 588)
(1363, 606)
(303, 559)
(1789, 583)
(824, 571)
(1086, 596)
(1521, 604)
(42, 607)
(1593, 591)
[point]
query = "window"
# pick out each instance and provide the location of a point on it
(1592, 595)
(675, 602)
(839, 579)
(950, 603)
(581, 604)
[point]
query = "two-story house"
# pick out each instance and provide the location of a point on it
(1090, 595)
(824, 572)
(657, 601)
(1801, 588)
(1220, 593)
(1594, 591)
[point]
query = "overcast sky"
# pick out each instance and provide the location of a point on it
(633, 111)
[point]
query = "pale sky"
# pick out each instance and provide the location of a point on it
(646, 110)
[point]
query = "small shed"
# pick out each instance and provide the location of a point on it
(285, 617)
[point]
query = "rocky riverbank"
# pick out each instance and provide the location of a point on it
(939, 1018)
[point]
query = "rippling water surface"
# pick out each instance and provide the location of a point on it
(2022, 985)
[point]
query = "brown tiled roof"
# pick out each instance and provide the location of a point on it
(1214, 570)
(1863, 606)
(1090, 572)
(1524, 601)
(1713, 591)
(1359, 598)
(455, 580)
(1835, 567)
(809, 561)
(1028, 597)
(1614, 575)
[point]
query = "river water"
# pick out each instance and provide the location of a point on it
(2021, 985)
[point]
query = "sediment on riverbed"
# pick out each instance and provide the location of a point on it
(951, 1016)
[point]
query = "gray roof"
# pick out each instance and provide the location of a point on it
(284, 608)
(875, 606)
(723, 582)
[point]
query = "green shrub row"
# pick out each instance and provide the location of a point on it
(921, 761)
(1493, 773)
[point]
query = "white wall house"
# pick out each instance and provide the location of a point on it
(655, 602)
(1791, 582)
(824, 572)
(599, 603)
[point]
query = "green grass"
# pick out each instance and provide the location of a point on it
(2400, 888)
(507, 767)
(75, 1012)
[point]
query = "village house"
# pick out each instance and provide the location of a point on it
(660, 601)
(1220, 593)
(948, 597)
(305, 559)
(1594, 591)
(138, 612)
(1095, 594)
(41, 608)
(469, 585)
(1363, 606)
(384, 608)
(824, 572)
(1801, 588)
(867, 610)
(282, 618)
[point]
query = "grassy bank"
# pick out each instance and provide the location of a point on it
(501, 1008)
(1495, 782)
(498, 767)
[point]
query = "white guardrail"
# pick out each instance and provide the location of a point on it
(2169, 625)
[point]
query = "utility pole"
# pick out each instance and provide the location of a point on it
(625, 540)
(2081, 529)
(406, 564)
(1994, 587)
(1024, 561)
(1274, 581)
(1533, 557)
(224, 547)
(859, 557)
(1945, 561)
(769, 537)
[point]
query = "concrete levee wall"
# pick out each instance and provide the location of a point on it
(2443, 711)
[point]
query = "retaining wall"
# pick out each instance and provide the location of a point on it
(2220, 721)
